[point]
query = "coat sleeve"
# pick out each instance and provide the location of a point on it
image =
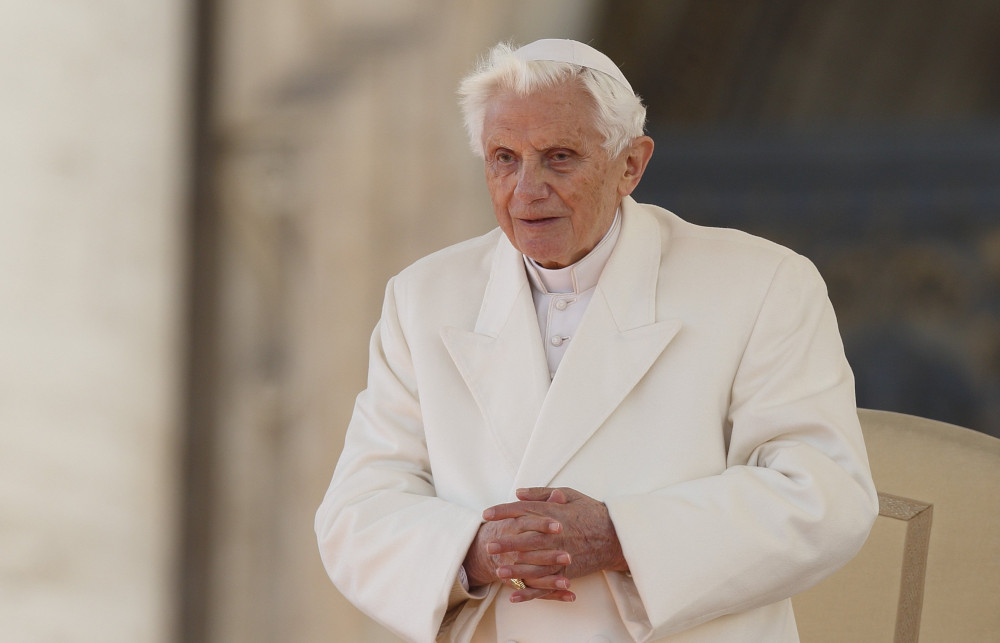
(389, 544)
(796, 500)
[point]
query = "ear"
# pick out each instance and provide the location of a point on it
(637, 156)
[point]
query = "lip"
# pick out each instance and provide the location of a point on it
(537, 222)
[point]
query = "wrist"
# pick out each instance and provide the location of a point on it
(616, 558)
(478, 568)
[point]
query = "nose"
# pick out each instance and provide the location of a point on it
(531, 185)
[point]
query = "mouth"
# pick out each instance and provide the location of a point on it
(540, 221)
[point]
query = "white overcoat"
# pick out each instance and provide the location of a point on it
(705, 399)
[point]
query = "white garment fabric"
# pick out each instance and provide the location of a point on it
(561, 295)
(706, 400)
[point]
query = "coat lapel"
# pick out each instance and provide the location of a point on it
(502, 360)
(617, 342)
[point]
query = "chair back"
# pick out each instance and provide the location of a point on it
(931, 566)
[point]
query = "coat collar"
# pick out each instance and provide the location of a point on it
(502, 360)
(537, 426)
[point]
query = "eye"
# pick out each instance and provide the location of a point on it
(503, 157)
(560, 156)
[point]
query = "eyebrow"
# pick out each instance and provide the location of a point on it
(573, 146)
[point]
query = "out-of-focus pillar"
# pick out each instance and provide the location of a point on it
(340, 158)
(91, 212)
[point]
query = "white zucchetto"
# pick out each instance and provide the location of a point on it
(571, 51)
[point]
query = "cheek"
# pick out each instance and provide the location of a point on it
(500, 198)
(592, 195)
(496, 197)
(499, 186)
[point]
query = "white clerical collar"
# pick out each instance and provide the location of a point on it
(579, 276)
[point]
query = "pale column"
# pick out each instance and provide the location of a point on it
(91, 214)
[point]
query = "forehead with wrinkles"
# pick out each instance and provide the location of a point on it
(560, 116)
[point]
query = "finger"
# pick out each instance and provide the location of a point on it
(530, 593)
(534, 573)
(559, 595)
(523, 542)
(562, 495)
(540, 524)
(514, 510)
(543, 558)
(551, 578)
(527, 536)
(539, 494)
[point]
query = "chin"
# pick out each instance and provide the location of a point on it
(542, 257)
(552, 262)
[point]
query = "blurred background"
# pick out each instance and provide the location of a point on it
(201, 201)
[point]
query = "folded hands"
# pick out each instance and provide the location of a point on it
(546, 538)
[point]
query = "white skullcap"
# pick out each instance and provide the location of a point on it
(571, 51)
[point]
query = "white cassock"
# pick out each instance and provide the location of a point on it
(704, 397)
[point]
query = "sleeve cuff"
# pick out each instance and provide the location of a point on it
(460, 590)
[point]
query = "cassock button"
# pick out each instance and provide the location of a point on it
(557, 340)
(561, 304)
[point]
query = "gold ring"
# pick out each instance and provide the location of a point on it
(518, 583)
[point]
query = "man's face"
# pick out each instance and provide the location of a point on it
(553, 186)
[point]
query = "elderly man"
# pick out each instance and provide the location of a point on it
(597, 422)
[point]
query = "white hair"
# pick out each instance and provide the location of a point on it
(619, 114)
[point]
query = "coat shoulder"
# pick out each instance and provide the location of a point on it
(713, 240)
(453, 263)
(694, 248)
(730, 263)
